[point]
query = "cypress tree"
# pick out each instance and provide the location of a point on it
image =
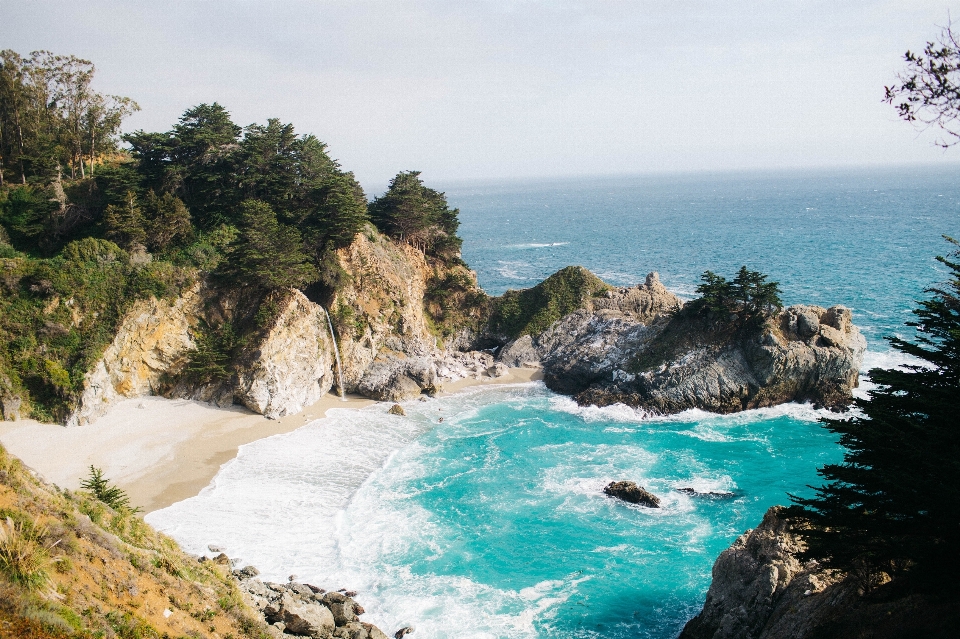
(893, 506)
(266, 253)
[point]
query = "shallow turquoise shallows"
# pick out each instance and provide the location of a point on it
(493, 523)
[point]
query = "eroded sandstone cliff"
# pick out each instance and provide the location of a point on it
(282, 357)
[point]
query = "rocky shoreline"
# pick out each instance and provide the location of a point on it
(761, 590)
(301, 609)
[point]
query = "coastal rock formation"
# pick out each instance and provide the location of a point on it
(635, 346)
(760, 590)
(629, 492)
(752, 578)
(388, 350)
(604, 321)
(305, 610)
(292, 365)
(152, 342)
(379, 309)
(286, 360)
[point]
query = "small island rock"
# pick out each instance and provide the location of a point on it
(628, 491)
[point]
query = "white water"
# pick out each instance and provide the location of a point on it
(336, 352)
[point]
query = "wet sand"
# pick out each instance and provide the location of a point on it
(162, 451)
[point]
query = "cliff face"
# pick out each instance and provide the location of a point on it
(389, 345)
(633, 346)
(292, 365)
(760, 590)
(153, 342)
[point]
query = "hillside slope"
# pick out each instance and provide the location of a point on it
(72, 566)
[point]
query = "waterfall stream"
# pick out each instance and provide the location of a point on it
(336, 352)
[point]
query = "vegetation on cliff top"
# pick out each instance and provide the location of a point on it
(87, 227)
(890, 509)
(532, 310)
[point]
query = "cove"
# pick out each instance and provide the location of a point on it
(492, 523)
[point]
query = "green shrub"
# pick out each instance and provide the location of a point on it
(112, 496)
(531, 311)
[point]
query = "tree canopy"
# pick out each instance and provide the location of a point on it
(413, 213)
(892, 505)
(928, 91)
(748, 296)
(50, 117)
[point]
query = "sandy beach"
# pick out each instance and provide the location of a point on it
(162, 451)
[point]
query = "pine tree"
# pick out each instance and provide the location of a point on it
(417, 215)
(268, 254)
(893, 504)
(125, 223)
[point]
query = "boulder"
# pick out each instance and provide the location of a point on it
(247, 572)
(497, 370)
(808, 323)
(343, 611)
(302, 618)
(520, 353)
(397, 409)
(628, 491)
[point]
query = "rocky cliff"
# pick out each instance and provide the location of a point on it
(406, 325)
(760, 590)
(151, 344)
(638, 347)
(280, 356)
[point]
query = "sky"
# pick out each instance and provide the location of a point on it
(502, 90)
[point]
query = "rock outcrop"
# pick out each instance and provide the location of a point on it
(602, 345)
(388, 350)
(305, 610)
(152, 342)
(292, 365)
(286, 358)
(629, 492)
(635, 346)
(760, 590)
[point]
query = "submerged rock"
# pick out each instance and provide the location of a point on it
(715, 494)
(628, 491)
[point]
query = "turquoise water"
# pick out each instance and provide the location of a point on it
(492, 523)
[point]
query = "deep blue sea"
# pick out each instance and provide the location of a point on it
(492, 523)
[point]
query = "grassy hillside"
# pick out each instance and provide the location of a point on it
(532, 310)
(71, 566)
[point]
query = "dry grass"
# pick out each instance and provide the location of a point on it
(23, 557)
(72, 566)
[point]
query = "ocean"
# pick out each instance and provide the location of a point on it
(492, 524)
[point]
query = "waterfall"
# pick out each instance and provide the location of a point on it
(336, 352)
